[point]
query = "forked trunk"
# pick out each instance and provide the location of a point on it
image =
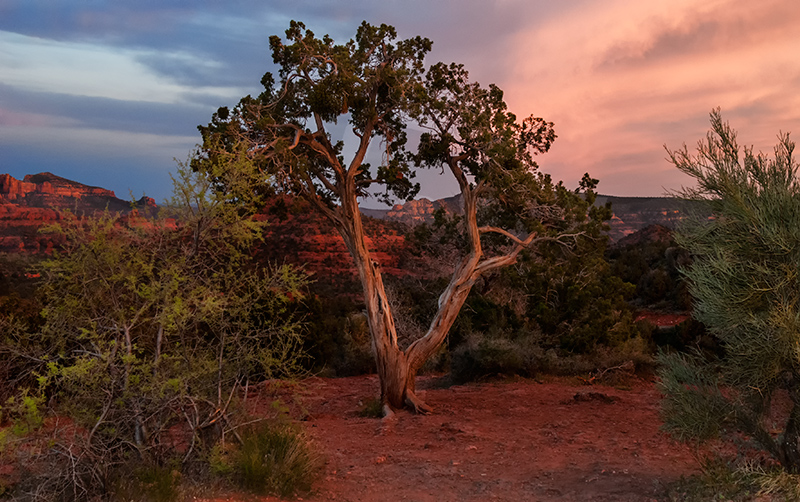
(397, 369)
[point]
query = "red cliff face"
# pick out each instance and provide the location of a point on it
(302, 237)
(299, 236)
(44, 185)
(40, 199)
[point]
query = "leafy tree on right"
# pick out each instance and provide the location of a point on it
(744, 284)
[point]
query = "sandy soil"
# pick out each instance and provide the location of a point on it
(514, 440)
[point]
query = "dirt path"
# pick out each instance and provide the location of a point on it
(514, 441)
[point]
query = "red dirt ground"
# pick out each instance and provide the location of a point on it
(513, 440)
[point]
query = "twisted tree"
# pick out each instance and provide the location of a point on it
(379, 86)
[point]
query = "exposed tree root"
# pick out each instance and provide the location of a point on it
(388, 412)
(417, 404)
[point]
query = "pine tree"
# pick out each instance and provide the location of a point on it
(744, 282)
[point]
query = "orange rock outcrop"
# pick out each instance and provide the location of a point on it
(41, 199)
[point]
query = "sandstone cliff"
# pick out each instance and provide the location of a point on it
(41, 199)
(300, 236)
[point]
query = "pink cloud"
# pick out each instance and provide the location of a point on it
(620, 79)
(18, 119)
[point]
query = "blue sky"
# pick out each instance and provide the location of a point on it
(108, 93)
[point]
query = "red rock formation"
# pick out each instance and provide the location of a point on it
(43, 184)
(416, 211)
(298, 235)
(40, 199)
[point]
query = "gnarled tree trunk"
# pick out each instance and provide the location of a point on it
(397, 369)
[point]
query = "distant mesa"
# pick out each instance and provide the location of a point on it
(47, 190)
(47, 184)
(42, 198)
(417, 211)
(629, 213)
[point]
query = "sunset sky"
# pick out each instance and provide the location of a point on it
(108, 93)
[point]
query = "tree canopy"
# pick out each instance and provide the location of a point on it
(380, 86)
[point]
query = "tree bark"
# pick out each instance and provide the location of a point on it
(397, 369)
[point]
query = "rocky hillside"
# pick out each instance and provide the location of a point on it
(295, 234)
(635, 213)
(298, 235)
(40, 199)
(630, 213)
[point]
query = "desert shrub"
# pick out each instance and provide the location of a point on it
(148, 483)
(529, 355)
(481, 355)
(744, 281)
(736, 480)
(654, 268)
(19, 316)
(337, 341)
(274, 458)
(560, 320)
(151, 329)
(24, 411)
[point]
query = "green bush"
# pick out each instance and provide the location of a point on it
(24, 412)
(149, 483)
(149, 327)
(372, 408)
(481, 355)
(274, 459)
(527, 355)
(338, 341)
(746, 289)
(735, 480)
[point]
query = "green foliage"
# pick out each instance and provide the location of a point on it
(654, 267)
(719, 480)
(744, 281)
(481, 356)
(149, 483)
(339, 341)
(19, 316)
(25, 411)
(152, 327)
(739, 481)
(694, 406)
(274, 459)
(369, 81)
(531, 318)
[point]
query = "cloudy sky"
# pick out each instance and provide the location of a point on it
(108, 93)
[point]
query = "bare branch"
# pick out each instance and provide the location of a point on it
(488, 229)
